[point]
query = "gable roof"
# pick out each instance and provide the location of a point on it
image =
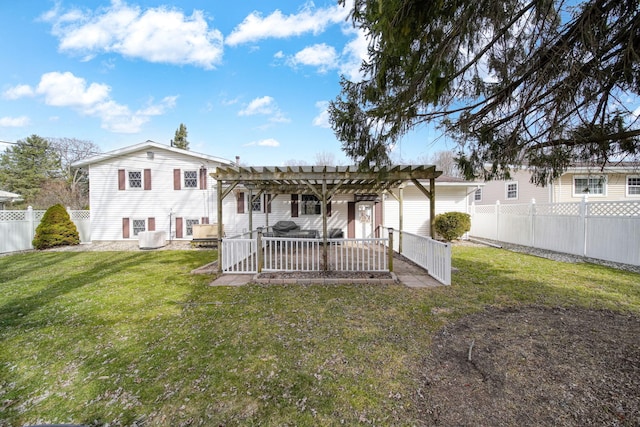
(145, 146)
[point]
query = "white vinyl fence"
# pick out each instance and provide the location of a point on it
(602, 230)
(17, 228)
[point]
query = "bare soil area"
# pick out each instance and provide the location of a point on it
(534, 366)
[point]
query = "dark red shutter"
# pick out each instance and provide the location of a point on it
(122, 182)
(176, 179)
(267, 199)
(178, 228)
(152, 224)
(205, 220)
(203, 179)
(329, 208)
(147, 179)
(294, 206)
(351, 220)
(240, 203)
(125, 228)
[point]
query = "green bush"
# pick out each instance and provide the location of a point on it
(452, 225)
(56, 229)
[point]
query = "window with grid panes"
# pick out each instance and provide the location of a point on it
(512, 190)
(633, 185)
(588, 185)
(310, 205)
(135, 179)
(189, 225)
(139, 225)
(256, 204)
(190, 179)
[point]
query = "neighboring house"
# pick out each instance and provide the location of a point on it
(150, 187)
(154, 187)
(7, 197)
(620, 181)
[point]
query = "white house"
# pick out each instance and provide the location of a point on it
(154, 187)
(150, 187)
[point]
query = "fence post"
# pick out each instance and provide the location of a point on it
(532, 220)
(259, 250)
(583, 216)
(32, 225)
(390, 249)
(497, 220)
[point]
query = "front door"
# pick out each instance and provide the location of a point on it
(364, 220)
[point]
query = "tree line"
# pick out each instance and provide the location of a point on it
(39, 169)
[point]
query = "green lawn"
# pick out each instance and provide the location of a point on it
(132, 337)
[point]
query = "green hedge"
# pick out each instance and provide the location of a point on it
(56, 229)
(452, 225)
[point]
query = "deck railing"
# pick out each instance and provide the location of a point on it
(430, 254)
(239, 254)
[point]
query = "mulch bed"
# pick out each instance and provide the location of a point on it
(534, 366)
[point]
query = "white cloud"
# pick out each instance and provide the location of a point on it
(277, 25)
(269, 142)
(322, 56)
(14, 122)
(264, 106)
(67, 90)
(322, 119)
(353, 54)
(161, 34)
(18, 92)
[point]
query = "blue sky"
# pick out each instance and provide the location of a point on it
(249, 78)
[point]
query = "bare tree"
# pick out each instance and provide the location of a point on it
(446, 162)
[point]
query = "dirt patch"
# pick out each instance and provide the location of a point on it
(534, 366)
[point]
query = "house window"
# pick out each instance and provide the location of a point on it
(256, 204)
(310, 205)
(189, 225)
(139, 225)
(477, 196)
(135, 179)
(512, 190)
(190, 179)
(633, 185)
(587, 185)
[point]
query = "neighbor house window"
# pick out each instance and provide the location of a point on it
(135, 179)
(139, 225)
(587, 185)
(189, 225)
(633, 185)
(190, 179)
(310, 205)
(477, 196)
(512, 190)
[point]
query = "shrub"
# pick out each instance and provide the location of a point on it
(56, 229)
(452, 225)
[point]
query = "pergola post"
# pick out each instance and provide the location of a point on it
(220, 226)
(325, 249)
(432, 207)
(400, 216)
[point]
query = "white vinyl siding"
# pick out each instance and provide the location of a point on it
(109, 204)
